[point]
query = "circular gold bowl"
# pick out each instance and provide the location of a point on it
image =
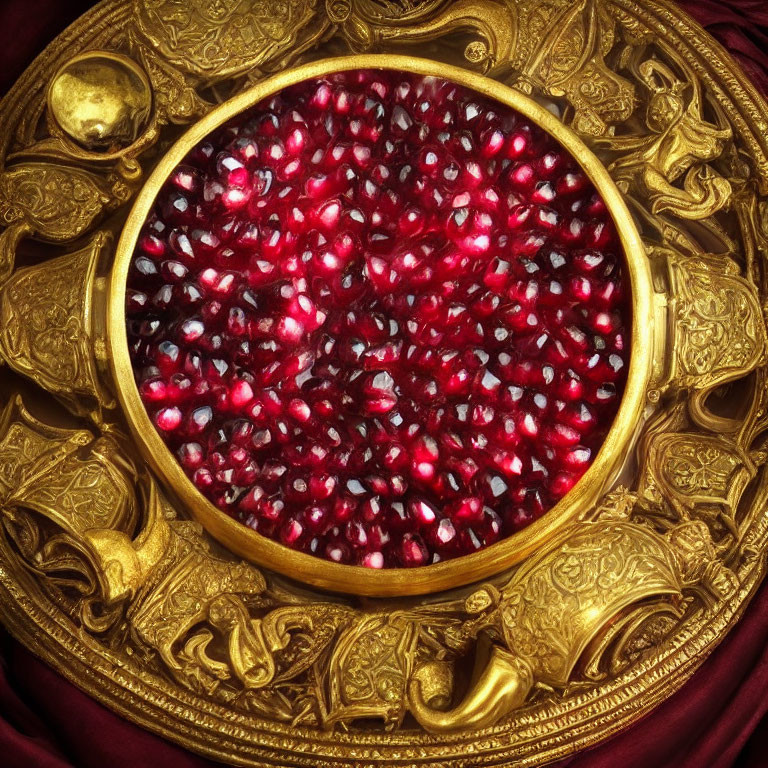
(391, 581)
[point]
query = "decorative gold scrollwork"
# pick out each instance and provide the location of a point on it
(216, 39)
(186, 46)
(76, 485)
(688, 469)
(369, 25)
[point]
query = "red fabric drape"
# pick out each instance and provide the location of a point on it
(719, 719)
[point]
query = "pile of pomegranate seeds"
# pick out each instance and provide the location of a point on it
(380, 318)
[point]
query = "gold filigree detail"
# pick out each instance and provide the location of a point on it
(718, 327)
(58, 204)
(53, 203)
(215, 38)
(562, 53)
(560, 602)
(75, 485)
(46, 330)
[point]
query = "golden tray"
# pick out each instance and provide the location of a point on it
(117, 572)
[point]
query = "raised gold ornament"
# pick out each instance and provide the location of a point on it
(116, 571)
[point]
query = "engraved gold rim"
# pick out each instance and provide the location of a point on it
(395, 581)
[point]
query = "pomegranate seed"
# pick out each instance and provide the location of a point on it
(373, 560)
(167, 419)
(380, 329)
(241, 394)
(413, 552)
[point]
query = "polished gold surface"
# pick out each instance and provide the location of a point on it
(391, 582)
(606, 612)
(100, 100)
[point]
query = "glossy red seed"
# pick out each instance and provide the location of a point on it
(380, 329)
(167, 419)
(413, 551)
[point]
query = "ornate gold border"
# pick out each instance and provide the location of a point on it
(140, 608)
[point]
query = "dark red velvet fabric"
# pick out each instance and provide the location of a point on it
(719, 719)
